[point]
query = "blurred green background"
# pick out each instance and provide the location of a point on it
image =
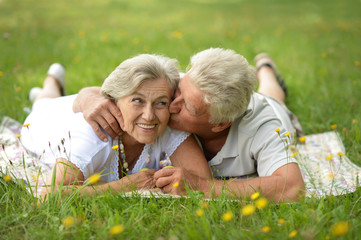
(316, 45)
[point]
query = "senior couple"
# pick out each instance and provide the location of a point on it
(120, 130)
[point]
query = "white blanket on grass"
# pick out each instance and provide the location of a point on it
(323, 170)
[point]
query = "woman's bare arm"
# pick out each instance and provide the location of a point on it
(69, 177)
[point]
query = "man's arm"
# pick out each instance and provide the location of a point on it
(99, 112)
(284, 185)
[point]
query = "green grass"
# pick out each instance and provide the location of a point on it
(314, 43)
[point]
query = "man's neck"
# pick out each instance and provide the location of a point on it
(213, 144)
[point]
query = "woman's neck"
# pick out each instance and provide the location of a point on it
(132, 149)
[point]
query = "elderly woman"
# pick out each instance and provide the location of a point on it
(142, 88)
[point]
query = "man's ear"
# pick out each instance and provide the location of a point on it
(219, 127)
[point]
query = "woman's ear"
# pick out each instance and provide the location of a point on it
(219, 127)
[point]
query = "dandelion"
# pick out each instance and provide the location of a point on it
(94, 178)
(248, 210)
(117, 229)
(277, 130)
(1, 74)
(287, 134)
(227, 216)
(135, 41)
(293, 234)
(68, 221)
(115, 147)
(82, 34)
(294, 154)
(281, 221)
(324, 55)
(265, 229)
(205, 205)
(329, 157)
(26, 125)
(177, 34)
(302, 139)
(176, 184)
(255, 195)
(340, 154)
(334, 126)
(331, 175)
(199, 212)
(354, 121)
(357, 63)
(18, 136)
(7, 178)
(261, 203)
(340, 228)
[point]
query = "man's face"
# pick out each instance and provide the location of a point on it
(188, 110)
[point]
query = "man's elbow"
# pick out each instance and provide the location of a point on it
(296, 191)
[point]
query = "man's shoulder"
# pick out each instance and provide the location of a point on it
(258, 113)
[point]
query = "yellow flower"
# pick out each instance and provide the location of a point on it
(340, 154)
(227, 216)
(248, 210)
(294, 154)
(255, 195)
(117, 229)
(265, 229)
(82, 34)
(281, 221)
(68, 221)
(176, 184)
(18, 136)
(354, 121)
(1, 74)
(205, 205)
(340, 228)
(357, 63)
(324, 55)
(287, 134)
(26, 125)
(199, 212)
(334, 126)
(329, 157)
(293, 234)
(94, 178)
(277, 130)
(115, 147)
(302, 139)
(330, 175)
(177, 34)
(261, 203)
(7, 178)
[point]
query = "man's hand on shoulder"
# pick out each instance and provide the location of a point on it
(99, 112)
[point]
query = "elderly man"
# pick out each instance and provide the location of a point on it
(244, 135)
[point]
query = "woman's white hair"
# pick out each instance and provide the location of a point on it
(127, 77)
(227, 81)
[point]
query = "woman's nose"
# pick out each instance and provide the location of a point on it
(148, 113)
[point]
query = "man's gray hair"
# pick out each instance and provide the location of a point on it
(227, 81)
(128, 76)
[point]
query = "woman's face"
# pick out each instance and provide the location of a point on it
(145, 112)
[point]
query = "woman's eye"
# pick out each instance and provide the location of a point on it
(162, 103)
(137, 100)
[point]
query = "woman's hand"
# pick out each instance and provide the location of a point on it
(99, 112)
(141, 180)
(175, 180)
